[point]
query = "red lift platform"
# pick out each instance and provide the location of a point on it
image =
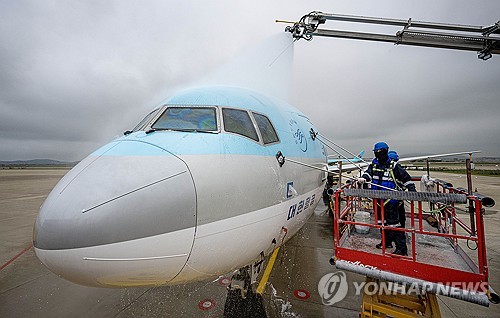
(447, 257)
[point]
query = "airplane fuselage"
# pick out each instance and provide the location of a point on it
(169, 204)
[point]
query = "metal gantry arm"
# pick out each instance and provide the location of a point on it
(484, 40)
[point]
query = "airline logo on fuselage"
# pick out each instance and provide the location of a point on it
(300, 207)
(300, 138)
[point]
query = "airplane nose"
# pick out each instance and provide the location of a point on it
(121, 209)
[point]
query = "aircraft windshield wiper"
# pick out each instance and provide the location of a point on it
(181, 129)
(191, 130)
(205, 131)
(154, 129)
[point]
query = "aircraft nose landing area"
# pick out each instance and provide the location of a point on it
(77, 229)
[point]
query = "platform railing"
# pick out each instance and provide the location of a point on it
(450, 226)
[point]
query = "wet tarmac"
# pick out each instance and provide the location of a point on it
(28, 289)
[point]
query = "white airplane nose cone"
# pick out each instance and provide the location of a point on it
(113, 209)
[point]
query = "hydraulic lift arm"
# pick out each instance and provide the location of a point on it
(484, 40)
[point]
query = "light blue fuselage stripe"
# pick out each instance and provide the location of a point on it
(194, 145)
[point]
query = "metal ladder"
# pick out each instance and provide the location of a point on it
(398, 305)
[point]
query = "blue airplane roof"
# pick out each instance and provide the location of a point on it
(228, 96)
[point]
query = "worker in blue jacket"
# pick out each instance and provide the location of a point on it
(383, 174)
(394, 157)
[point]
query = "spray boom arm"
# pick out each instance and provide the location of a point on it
(484, 40)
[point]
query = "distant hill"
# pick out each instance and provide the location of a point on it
(487, 159)
(37, 162)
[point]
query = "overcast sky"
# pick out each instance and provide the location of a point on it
(76, 74)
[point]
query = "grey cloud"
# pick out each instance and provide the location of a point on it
(75, 74)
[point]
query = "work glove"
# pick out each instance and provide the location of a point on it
(361, 180)
(411, 188)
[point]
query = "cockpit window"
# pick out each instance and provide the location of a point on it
(266, 129)
(239, 122)
(146, 120)
(187, 119)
